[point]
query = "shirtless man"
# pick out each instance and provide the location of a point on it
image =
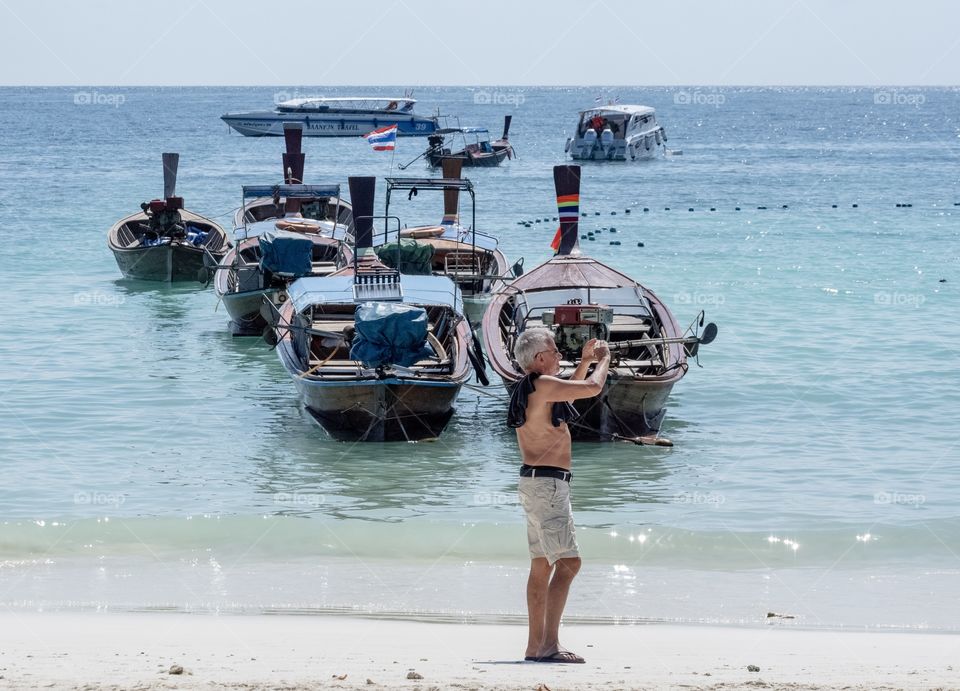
(539, 410)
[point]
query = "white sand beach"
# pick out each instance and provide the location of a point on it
(120, 651)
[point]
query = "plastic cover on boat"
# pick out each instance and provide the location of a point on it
(390, 333)
(415, 259)
(287, 253)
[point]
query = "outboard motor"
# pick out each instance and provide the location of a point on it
(164, 214)
(606, 141)
(435, 143)
(574, 325)
(589, 141)
(164, 217)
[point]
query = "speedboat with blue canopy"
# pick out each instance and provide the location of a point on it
(164, 241)
(375, 355)
(350, 116)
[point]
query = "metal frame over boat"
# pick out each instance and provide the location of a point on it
(579, 298)
(316, 327)
(335, 117)
(164, 241)
(616, 133)
(473, 260)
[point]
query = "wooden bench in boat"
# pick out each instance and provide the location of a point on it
(323, 268)
(629, 323)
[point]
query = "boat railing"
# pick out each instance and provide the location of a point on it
(413, 185)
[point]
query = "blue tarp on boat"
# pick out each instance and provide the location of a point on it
(286, 253)
(390, 333)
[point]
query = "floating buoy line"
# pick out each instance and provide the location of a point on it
(528, 223)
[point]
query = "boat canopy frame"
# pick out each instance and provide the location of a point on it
(413, 185)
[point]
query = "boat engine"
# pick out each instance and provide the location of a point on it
(574, 324)
(164, 216)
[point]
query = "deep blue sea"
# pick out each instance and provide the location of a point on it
(152, 461)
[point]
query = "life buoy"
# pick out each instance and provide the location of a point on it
(422, 232)
(300, 225)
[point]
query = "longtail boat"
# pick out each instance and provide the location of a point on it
(165, 241)
(375, 355)
(578, 298)
(478, 153)
(281, 216)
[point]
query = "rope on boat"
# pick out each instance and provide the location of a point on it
(480, 389)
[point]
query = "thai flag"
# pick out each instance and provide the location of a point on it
(383, 139)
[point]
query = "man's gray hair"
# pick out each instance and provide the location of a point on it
(529, 343)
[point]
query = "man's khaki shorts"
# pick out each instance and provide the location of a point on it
(550, 531)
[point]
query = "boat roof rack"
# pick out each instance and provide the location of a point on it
(291, 191)
(377, 285)
(462, 184)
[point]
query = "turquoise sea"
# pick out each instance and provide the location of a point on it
(152, 461)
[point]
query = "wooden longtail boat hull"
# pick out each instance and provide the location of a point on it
(633, 403)
(172, 261)
(243, 304)
(316, 328)
(644, 368)
(487, 159)
(389, 409)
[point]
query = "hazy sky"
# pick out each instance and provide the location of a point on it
(425, 42)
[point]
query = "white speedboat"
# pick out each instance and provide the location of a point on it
(616, 133)
(335, 117)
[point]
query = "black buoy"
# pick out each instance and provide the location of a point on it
(784, 207)
(626, 211)
(737, 208)
(639, 244)
(537, 220)
(899, 205)
(613, 230)
(666, 208)
(613, 213)
(834, 206)
(910, 205)
(762, 208)
(614, 242)
(855, 206)
(942, 280)
(690, 209)
(713, 208)
(583, 237)
(596, 213)
(647, 208)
